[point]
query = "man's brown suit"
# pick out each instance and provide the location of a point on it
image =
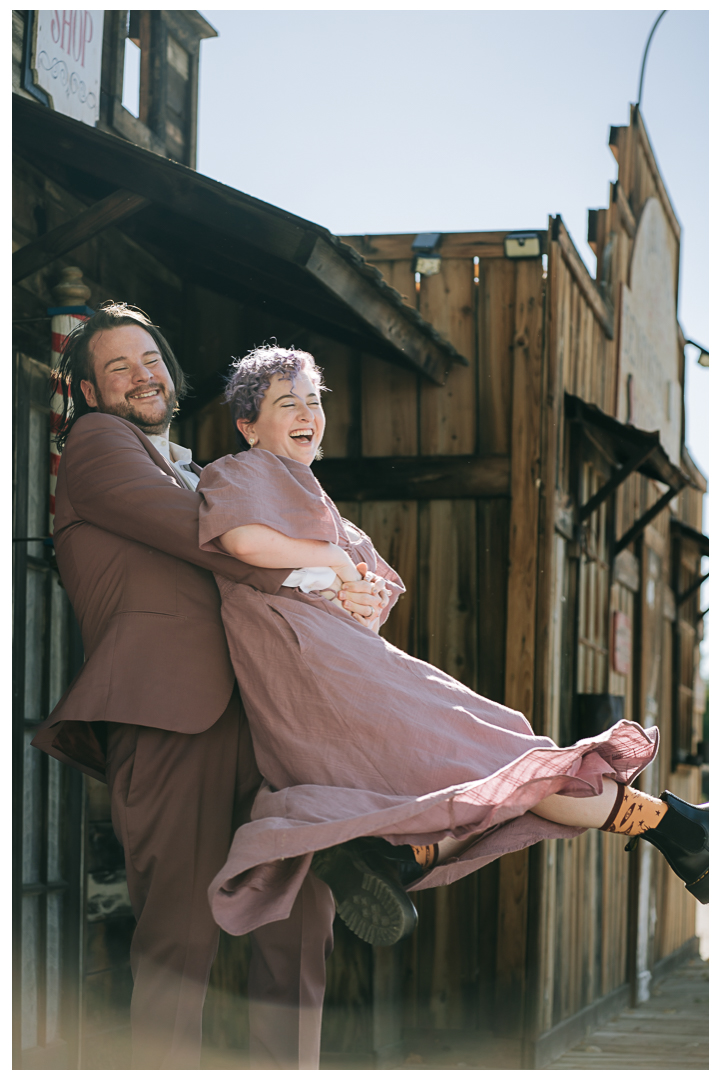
(174, 748)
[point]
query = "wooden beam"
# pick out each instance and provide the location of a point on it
(692, 589)
(580, 272)
(440, 477)
(683, 531)
(646, 518)
(627, 217)
(283, 292)
(109, 211)
(341, 279)
(614, 482)
(652, 166)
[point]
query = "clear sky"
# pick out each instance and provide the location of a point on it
(466, 120)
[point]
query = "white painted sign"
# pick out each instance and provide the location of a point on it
(649, 389)
(66, 61)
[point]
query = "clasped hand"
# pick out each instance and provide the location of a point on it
(367, 598)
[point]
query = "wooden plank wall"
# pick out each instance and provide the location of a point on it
(453, 557)
(452, 554)
(456, 615)
(584, 933)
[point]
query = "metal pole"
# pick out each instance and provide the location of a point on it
(647, 46)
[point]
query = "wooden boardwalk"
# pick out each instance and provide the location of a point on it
(670, 1031)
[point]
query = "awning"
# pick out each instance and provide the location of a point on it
(222, 239)
(629, 449)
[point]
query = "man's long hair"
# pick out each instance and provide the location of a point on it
(74, 364)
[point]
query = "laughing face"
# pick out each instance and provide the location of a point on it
(291, 420)
(130, 379)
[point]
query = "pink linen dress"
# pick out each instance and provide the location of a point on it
(356, 738)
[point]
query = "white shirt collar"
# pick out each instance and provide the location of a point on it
(170, 450)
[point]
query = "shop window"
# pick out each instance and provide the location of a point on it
(131, 75)
(136, 57)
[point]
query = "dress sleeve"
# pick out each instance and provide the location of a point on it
(257, 488)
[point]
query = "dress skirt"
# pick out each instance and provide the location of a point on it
(356, 738)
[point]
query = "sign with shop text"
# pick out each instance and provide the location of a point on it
(66, 61)
(649, 389)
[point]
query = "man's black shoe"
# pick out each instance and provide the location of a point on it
(683, 837)
(368, 892)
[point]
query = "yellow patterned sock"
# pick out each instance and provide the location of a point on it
(426, 855)
(634, 812)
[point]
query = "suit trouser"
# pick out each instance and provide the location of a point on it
(174, 800)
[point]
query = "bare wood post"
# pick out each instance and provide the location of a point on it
(542, 931)
(522, 602)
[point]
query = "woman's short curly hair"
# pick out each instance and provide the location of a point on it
(250, 378)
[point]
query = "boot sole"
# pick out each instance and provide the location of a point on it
(376, 909)
(700, 889)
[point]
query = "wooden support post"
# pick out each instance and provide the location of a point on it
(110, 211)
(541, 860)
(524, 491)
(525, 482)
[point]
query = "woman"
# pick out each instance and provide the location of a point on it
(356, 739)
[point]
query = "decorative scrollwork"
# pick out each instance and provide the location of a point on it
(58, 69)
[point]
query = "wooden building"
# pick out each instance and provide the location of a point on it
(509, 429)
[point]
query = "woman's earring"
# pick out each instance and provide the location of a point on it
(251, 442)
(319, 454)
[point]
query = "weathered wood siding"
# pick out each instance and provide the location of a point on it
(453, 556)
(586, 934)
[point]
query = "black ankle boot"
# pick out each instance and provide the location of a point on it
(683, 838)
(369, 894)
(401, 856)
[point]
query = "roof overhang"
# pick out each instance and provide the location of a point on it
(624, 444)
(227, 241)
(629, 450)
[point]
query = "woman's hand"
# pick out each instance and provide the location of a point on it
(363, 595)
(343, 566)
(365, 599)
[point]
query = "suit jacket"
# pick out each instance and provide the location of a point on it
(126, 541)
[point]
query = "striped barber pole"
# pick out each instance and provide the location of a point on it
(64, 320)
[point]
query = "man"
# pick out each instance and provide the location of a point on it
(155, 710)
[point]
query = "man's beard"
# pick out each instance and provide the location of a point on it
(128, 412)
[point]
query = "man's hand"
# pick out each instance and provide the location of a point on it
(365, 599)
